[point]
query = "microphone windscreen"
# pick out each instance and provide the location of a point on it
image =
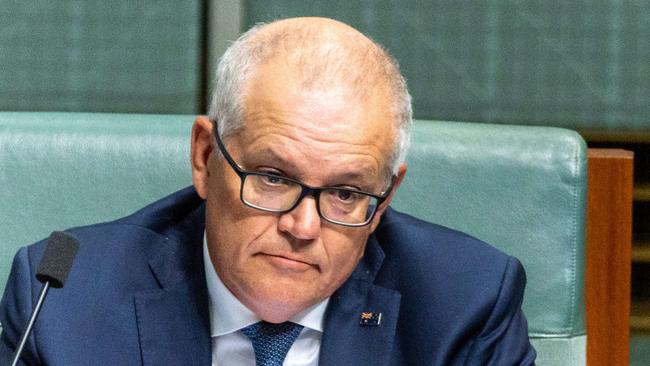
(57, 259)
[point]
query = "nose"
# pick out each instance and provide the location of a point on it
(303, 222)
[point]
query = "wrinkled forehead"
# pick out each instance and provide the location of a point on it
(277, 99)
(322, 124)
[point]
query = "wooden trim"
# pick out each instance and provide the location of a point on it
(640, 317)
(641, 252)
(608, 256)
(642, 192)
(616, 135)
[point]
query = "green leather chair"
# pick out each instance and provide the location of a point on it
(519, 188)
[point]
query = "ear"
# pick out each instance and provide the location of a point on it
(201, 148)
(401, 172)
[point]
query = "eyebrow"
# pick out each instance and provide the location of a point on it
(360, 175)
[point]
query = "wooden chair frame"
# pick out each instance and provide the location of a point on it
(608, 256)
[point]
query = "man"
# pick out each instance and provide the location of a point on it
(285, 250)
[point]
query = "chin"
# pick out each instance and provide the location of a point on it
(277, 311)
(277, 306)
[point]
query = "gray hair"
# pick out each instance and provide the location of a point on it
(252, 49)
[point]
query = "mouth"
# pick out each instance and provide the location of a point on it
(287, 263)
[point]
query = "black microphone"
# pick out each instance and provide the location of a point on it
(53, 270)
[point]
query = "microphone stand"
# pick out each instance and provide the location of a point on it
(30, 325)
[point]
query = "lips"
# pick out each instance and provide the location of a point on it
(287, 262)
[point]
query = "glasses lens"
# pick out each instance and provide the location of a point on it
(348, 207)
(270, 192)
(274, 193)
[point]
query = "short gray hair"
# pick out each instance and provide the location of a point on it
(242, 58)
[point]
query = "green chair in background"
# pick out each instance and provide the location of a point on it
(521, 189)
(59, 170)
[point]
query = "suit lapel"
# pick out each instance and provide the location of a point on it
(345, 341)
(173, 321)
(173, 328)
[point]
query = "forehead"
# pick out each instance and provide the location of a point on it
(326, 125)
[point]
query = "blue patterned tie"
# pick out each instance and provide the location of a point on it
(271, 342)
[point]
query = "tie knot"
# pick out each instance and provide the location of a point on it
(271, 342)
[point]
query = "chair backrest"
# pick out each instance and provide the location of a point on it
(521, 189)
(59, 170)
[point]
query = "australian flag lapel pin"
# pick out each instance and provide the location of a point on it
(370, 318)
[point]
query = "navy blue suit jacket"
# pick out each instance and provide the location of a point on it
(136, 295)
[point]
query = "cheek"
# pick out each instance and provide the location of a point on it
(232, 247)
(233, 228)
(226, 215)
(224, 209)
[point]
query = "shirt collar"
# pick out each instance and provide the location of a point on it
(228, 314)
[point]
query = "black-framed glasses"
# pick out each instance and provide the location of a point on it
(275, 193)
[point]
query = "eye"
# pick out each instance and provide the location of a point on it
(346, 196)
(273, 180)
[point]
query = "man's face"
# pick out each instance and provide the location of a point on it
(280, 264)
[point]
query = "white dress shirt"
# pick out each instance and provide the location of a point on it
(228, 315)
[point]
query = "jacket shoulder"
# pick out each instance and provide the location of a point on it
(423, 243)
(170, 215)
(425, 261)
(461, 294)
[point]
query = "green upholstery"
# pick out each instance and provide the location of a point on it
(59, 170)
(520, 188)
(101, 56)
(576, 64)
(640, 350)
